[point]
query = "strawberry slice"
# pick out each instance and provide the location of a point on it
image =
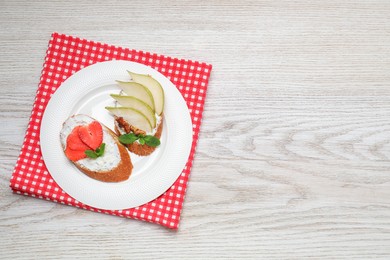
(75, 155)
(91, 134)
(74, 142)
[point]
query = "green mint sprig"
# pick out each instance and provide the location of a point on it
(142, 139)
(97, 153)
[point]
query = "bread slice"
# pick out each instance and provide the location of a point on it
(122, 127)
(113, 166)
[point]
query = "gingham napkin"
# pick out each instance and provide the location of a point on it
(67, 55)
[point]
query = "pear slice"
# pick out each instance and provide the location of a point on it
(133, 117)
(154, 87)
(138, 91)
(133, 102)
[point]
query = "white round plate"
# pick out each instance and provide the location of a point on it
(87, 92)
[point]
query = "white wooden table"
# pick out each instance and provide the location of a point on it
(293, 159)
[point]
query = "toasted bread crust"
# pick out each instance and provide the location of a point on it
(120, 173)
(139, 149)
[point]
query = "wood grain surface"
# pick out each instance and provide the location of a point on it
(293, 160)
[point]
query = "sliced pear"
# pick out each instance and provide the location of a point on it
(133, 117)
(138, 91)
(133, 102)
(154, 87)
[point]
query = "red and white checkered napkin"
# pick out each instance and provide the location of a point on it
(67, 55)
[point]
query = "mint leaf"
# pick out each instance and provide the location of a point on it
(128, 138)
(97, 153)
(143, 139)
(151, 140)
(91, 154)
(100, 150)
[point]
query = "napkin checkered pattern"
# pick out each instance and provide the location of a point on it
(67, 55)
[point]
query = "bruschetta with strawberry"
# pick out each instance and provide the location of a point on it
(95, 149)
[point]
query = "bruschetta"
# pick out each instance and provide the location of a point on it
(95, 149)
(143, 149)
(138, 113)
